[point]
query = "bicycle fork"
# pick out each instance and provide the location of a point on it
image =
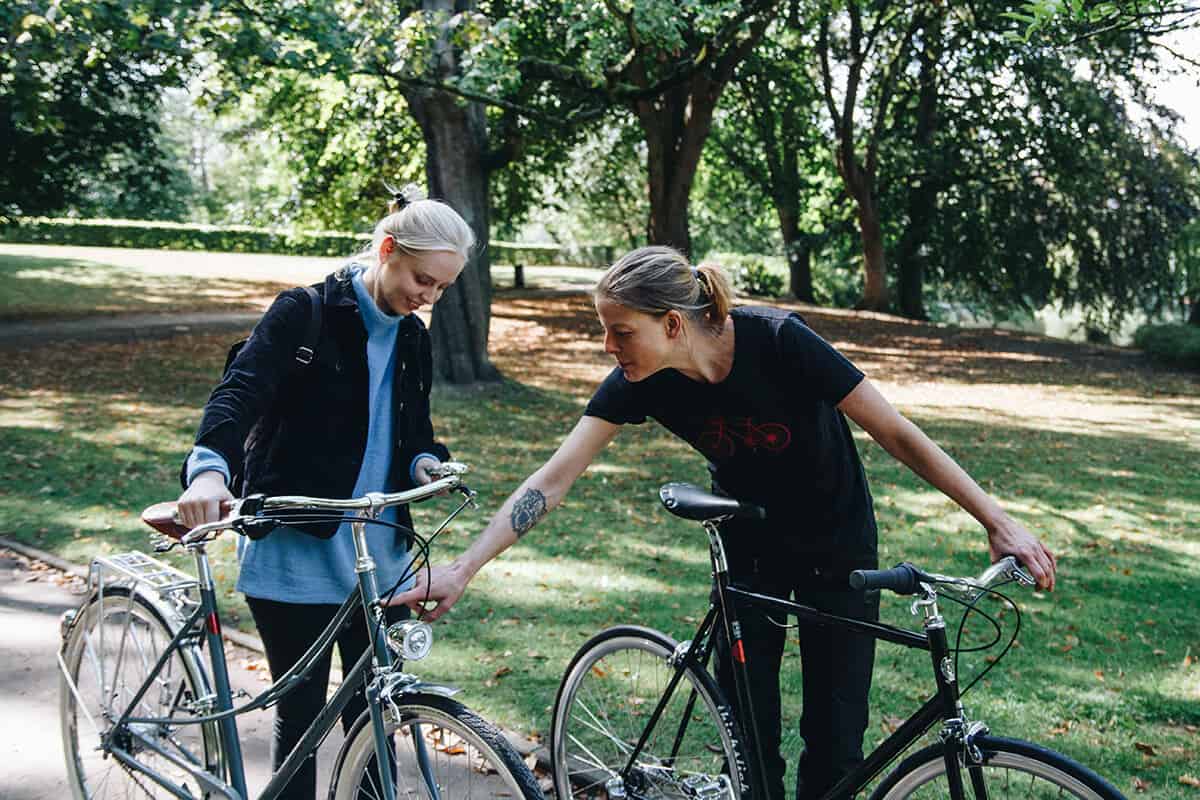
(957, 734)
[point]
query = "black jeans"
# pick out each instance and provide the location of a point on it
(836, 665)
(287, 631)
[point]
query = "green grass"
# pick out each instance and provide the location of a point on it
(92, 433)
(43, 281)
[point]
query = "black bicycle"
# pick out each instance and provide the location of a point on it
(638, 715)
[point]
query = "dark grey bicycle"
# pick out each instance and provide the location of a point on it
(142, 715)
(639, 716)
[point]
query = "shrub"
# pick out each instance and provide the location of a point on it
(753, 274)
(1177, 343)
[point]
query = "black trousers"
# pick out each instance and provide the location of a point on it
(287, 631)
(836, 664)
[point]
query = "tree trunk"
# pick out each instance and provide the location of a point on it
(798, 249)
(674, 143)
(875, 289)
(455, 145)
(1194, 315)
(456, 139)
(860, 185)
(911, 253)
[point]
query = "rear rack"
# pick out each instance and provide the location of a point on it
(139, 569)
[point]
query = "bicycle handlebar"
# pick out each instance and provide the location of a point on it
(164, 517)
(907, 579)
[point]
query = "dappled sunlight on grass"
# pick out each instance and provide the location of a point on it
(57, 286)
(1090, 447)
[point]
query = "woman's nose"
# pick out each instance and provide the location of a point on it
(610, 343)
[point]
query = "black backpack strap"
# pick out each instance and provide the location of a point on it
(306, 351)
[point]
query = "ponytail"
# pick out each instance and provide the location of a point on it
(656, 279)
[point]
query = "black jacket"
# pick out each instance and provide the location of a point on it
(289, 429)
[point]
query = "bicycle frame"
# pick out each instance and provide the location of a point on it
(376, 660)
(722, 616)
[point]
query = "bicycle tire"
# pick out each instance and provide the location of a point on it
(1011, 768)
(623, 671)
(90, 658)
(460, 743)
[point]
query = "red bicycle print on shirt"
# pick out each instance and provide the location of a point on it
(721, 438)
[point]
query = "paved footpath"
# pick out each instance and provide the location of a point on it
(32, 597)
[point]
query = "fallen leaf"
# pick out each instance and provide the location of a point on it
(500, 673)
(1100, 675)
(1142, 747)
(1140, 785)
(1190, 780)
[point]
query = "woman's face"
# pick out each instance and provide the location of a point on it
(640, 342)
(407, 282)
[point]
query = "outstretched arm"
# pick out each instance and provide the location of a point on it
(909, 445)
(524, 508)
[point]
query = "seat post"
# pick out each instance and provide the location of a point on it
(716, 546)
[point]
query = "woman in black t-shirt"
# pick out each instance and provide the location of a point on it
(764, 399)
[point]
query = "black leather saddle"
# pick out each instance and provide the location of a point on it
(691, 502)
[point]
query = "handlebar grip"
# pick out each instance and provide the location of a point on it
(163, 517)
(752, 512)
(901, 579)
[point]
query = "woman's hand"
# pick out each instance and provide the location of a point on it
(1009, 537)
(422, 467)
(201, 502)
(442, 586)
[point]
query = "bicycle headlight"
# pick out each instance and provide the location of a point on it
(411, 639)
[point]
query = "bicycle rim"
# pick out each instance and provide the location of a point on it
(465, 756)
(112, 648)
(605, 703)
(1011, 769)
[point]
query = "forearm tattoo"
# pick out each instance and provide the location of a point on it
(526, 512)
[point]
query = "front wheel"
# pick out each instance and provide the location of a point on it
(442, 750)
(1011, 768)
(608, 694)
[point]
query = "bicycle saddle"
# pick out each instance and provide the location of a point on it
(691, 502)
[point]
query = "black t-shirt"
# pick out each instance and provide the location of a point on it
(771, 433)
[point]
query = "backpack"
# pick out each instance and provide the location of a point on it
(306, 351)
(264, 427)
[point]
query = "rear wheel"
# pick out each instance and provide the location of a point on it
(442, 750)
(1011, 768)
(111, 649)
(608, 694)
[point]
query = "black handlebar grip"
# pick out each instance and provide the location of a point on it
(751, 512)
(901, 579)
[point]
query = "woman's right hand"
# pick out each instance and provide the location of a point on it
(201, 501)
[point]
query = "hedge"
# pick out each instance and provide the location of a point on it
(246, 239)
(1177, 343)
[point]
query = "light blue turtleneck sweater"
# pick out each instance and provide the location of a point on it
(291, 566)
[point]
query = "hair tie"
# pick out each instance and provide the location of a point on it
(400, 200)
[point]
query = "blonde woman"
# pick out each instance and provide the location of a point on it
(764, 399)
(355, 419)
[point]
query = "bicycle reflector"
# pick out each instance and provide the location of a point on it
(411, 639)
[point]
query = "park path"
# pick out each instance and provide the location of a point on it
(32, 597)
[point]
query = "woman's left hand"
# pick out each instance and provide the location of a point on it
(421, 469)
(1010, 537)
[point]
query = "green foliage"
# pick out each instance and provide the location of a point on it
(1177, 344)
(176, 236)
(79, 106)
(753, 277)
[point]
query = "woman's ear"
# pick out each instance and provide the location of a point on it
(674, 323)
(386, 247)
